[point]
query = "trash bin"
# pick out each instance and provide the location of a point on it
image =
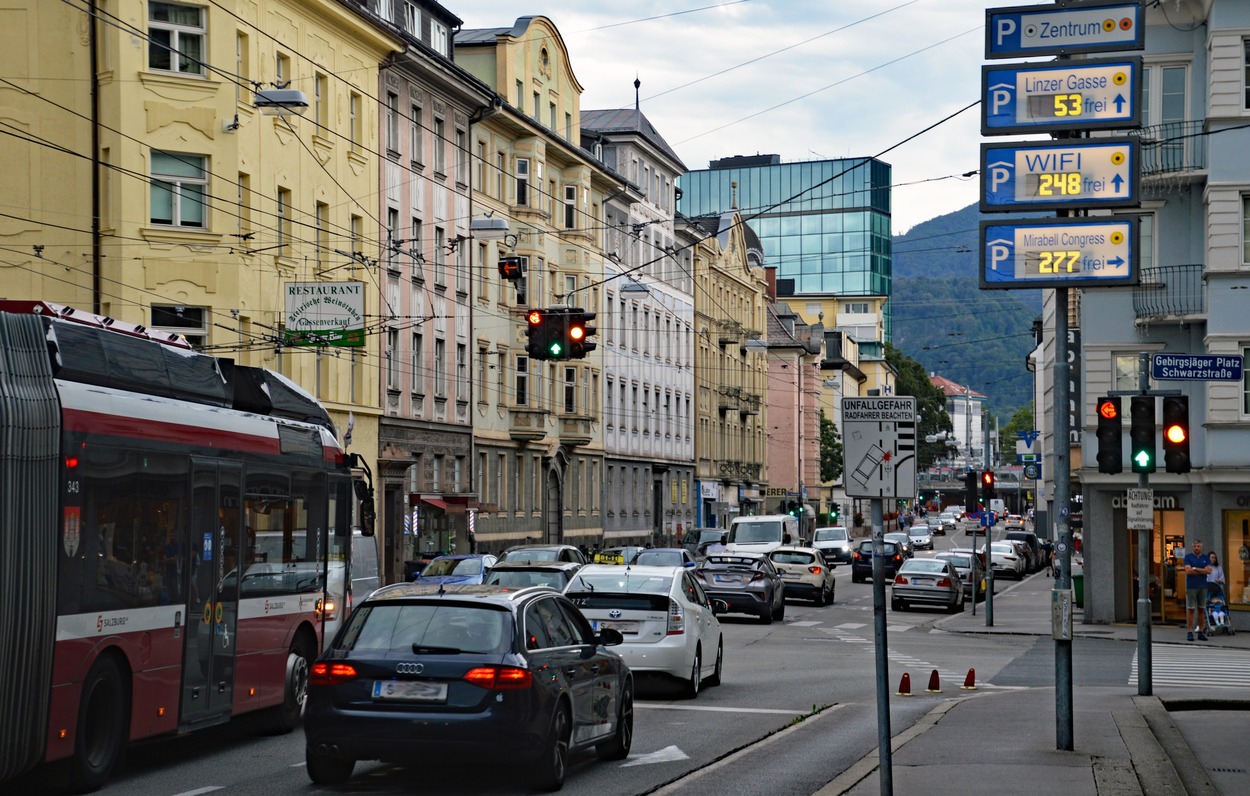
(1078, 589)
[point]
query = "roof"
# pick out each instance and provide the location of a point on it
(628, 120)
(953, 389)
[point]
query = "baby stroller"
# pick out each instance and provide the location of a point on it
(1217, 611)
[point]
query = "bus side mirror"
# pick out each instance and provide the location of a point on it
(367, 516)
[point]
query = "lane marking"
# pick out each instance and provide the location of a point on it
(198, 791)
(711, 709)
(668, 754)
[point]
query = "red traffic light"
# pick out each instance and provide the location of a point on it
(1109, 409)
(577, 333)
(535, 317)
(987, 478)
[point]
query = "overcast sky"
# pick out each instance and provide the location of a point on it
(804, 79)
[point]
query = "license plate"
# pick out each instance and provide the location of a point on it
(410, 690)
(791, 575)
(923, 581)
(734, 579)
(624, 628)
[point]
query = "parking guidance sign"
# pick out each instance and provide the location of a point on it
(1059, 252)
(1048, 175)
(1058, 30)
(1098, 94)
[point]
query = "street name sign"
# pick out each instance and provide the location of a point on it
(879, 446)
(1141, 516)
(1101, 94)
(1059, 252)
(1047, 175)
(1196, 366)
(1026, 31)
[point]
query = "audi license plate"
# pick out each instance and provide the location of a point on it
(410, 690)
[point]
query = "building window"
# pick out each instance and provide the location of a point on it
(462, 372)
(321, 222)
(440, 367)
(481, 166)
(241, 65)
(392, 237)
(535, 109)
(440, 148)
(189, 322)
(522, 181)
(392, 354)
(570, 390)
(1245, 229)
(855, 308)
(392, 122)
(568, 127)
(244, 201)
(499, 176)
(438, 38)
(520, 96)
(179, 184)
(522, 381)
(176, 38)
(282, 69)
(384, 9)
(354, 121)
(418, 362)
(412, 19)
(462, 158)
(1245, 383)
(551, 116)
(415, 136)
(440, 253)
(321, 102)
(570, 207)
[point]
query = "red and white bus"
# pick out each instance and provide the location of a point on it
(174, 539)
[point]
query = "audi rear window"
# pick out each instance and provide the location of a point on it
(409, 627)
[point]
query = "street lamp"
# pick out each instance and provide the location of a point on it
(280, 101)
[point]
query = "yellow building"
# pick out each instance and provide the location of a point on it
(538, 439)
(201, 212)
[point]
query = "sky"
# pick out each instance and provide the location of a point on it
(803, 79)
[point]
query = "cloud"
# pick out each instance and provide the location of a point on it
(897, 67)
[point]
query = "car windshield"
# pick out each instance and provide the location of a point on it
(711, 536)
(532, 555)
(896, 537)
(519, 578)
(889, 548)
(731, 562)
(767, 531)
(962, 562)
(792, 557)
(625, 582)
(1003, 548)
(830, 535)
(946, 515)
(659, 558)
(453, 566)
(918, 530)
(924, 565)
(437, 627)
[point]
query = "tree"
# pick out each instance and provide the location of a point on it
(911, 379)
(830, 450)
(1022, 420)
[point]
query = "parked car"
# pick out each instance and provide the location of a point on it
(1007, 560)
(554, 552)
(698, 539)
(663, 557)
(668, 621)
(441, 673)
(805, 573)
(617, 555)
(927, 581)
(861, 560)
(901, 539)
(921, 537)
(1030, 540)
(747, 582)
(971, 572)
(834, 543)
(465, 570)
(519, 574)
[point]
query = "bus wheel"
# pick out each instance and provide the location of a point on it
(103, 727)
(286, 717)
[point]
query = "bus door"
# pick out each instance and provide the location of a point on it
(213, 599)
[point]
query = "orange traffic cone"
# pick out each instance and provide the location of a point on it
(934, 688)
(970, 682)
(904, 685)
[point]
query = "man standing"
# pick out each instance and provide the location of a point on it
(1197, 567)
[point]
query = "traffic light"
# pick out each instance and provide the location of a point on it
(577, 331)
(511, 268)
(987, 484)
(834, 510)
(971, 479)
(1141, 433)
(1176, 434)
(792, 507)
(546, 332)
(1110, 428)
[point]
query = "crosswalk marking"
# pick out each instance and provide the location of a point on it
(851, 625)
(805, 623)
(1195, 666)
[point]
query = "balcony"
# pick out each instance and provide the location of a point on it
(750, 404)
(730, 398)
(1172, 151)
(576, 430)
(527, 425)
(728, 331)
(1170, 292)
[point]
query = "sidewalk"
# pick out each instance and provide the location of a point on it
(980, 741)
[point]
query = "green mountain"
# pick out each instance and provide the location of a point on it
(943, 320)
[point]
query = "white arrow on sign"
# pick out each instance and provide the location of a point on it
(668, 754)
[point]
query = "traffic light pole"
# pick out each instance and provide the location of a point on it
(1145, 678)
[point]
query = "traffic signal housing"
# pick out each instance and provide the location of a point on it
(545, 329)
(1110, 433)
(987, 484)
(578, 330)
(971, 480)
(1176, 434)
(511, 268)
(1141, 434)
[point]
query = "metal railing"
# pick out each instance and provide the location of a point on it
(1172, 147)
(1170, 291)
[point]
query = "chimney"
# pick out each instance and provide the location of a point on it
(770, 274)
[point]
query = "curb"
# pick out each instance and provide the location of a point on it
(1192, 777)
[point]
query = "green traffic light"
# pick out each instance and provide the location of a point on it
(556, 349)
(1143, 459)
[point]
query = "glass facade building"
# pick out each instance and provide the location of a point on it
(824, 224)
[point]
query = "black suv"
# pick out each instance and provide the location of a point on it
(861, 561)
(1034, 547)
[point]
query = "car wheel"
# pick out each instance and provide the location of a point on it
(854, 577)
(327, 770)
(825, 597)
(720, 661)
(100, 740)
(553, 763)
(691, 688)
(780, 613)
(618, 748)
(767, 616)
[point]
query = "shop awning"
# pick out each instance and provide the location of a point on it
(435, 502)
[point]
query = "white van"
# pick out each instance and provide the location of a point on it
(762, 534)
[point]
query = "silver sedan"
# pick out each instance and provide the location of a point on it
(927, 581)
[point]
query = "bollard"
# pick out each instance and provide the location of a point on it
(970, 682)
(904, 685)
(934, 688)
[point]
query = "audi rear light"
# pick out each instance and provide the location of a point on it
(500, 678)
(331, 673)
(676, 618)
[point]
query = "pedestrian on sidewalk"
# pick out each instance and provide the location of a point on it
(1048, 552)
(1215, 578)
(1197, 568)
